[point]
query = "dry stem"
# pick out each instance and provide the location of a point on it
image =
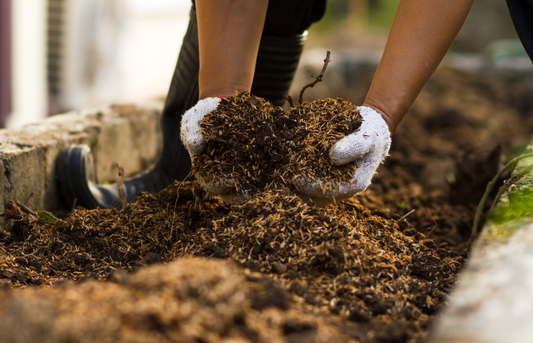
(491, 184)
(290, 100)
(121, 194)
(317, 79)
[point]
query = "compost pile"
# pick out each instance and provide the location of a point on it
(184, 266)
(261, 147)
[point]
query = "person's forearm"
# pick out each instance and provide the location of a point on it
(421, 34)
(229, 33)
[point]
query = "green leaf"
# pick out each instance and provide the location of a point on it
(47, 215)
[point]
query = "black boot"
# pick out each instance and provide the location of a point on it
(75, 171)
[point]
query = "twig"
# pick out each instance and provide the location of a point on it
(405, 215)
(490, 185)
(509, 183)
(177, 197)
(290, 100)
(434, 221)
(431, 231)
(317, 79)
(121, 194)
(31, 195)
(25, 208)
(432, 218)
(217, 139)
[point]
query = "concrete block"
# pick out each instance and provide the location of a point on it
(126, 137)
(24, 174)
(47, 138)
(124, 134)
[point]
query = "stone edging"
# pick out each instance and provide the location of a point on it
(124, 134)
(493, 298)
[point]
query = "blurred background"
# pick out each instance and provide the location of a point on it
(60, 55)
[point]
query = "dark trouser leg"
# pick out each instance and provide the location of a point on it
(276, 64)
(522, 14)
(277, 61)
(74, 166)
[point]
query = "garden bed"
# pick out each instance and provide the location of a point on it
(183, 266)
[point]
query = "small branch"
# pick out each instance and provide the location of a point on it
(405, 216)
(434, 221)
(31, 195)
(26, 209)
(317, 79)
(121, 194)
(490, 185)
(507, 184)
(290, 100)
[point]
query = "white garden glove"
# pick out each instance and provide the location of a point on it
(191, 132)
(195, 143)
(367, 147)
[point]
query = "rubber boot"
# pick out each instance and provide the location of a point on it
(522, 14)
(75, 170)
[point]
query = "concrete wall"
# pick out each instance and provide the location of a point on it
(125, 134)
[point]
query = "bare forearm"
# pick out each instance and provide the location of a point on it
(229, 33)
(422, 33)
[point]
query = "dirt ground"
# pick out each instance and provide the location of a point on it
(183, 266)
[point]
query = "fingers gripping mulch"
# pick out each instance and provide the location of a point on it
(260, 146)
(342, 271)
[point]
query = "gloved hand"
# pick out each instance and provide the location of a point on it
(367, 147)
(191, 132)
(195, 143)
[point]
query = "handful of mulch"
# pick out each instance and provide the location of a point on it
(260, 146)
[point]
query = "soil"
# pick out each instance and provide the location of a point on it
(183, 266)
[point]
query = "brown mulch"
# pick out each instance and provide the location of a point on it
(183, 266)
(359, 269)
(261, 146)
